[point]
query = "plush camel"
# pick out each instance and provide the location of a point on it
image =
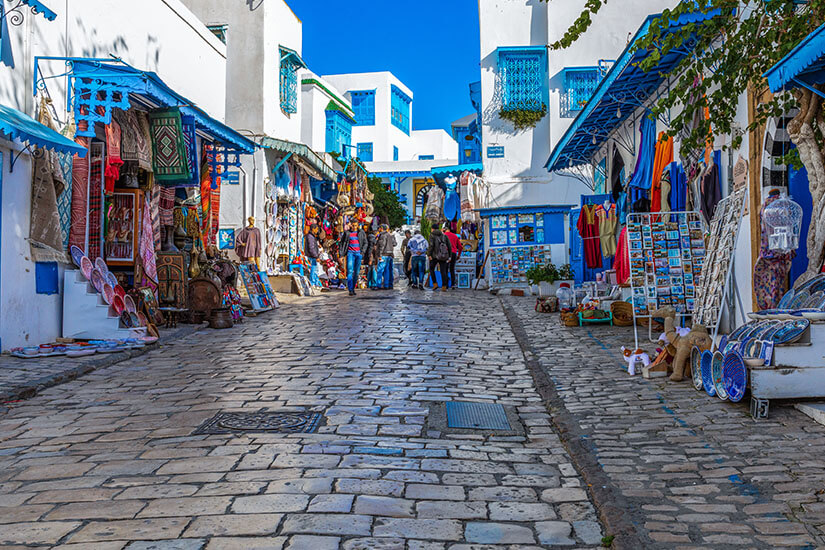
(681, 345)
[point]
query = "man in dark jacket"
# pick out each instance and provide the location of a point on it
(312, 253)
(439, 252)
(353, 241)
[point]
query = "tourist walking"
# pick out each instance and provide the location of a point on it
(417, 249)
(352, 242)
(455, 252)
(386, 249)
(312, 252)
(405, 253)
(439, 253)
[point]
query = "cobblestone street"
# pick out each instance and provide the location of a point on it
(110, 460)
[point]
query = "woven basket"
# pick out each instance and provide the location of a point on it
(569, 319)
(622, 314)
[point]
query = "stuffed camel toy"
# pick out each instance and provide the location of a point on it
(681, 345)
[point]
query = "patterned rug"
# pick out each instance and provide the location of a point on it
(170, 158)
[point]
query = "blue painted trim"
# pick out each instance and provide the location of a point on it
(621, 87)
(21, 126)
(808, 52)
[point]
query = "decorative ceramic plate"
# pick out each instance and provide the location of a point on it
(111, 279)
(108, 293)
(119, 291)
(101, 265)
(77, 255)
(97, 280)
(716, 373)
(126, 319)
(130, 304)
(86, 267)
(786, 300)
(735, 376)
(117, 304)
(696, 367)
(707, 379)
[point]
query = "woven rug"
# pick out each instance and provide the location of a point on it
(169, 159)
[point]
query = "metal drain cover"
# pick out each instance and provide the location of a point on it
(485, 416)
(269, 422)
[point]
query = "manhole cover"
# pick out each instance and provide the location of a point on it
(485, 416)
(277, 422)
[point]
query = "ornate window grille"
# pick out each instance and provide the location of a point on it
(522, 73)
(364, 152)
(400, 109)
(363, 104)
(579, 85)
(339, 132)
(290, 63)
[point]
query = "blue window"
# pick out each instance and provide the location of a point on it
(400, 109)
(365, 152)
(339, 132)
(363, 104)
(522, 72)
(579, 85)
(426, 157)
(394, 152)
(290, 63)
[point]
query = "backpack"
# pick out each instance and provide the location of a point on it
(442, 249)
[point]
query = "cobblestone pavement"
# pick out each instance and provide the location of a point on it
(671, 466)
(110, 461)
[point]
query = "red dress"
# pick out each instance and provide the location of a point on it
(588, 226)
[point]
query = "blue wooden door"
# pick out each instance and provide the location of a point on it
(576, 247)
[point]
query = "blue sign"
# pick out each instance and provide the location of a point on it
(495, 151)
(231, 177)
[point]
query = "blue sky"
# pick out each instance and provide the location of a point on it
(431, 45)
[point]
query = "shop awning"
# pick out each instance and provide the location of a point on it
(803, 67)
(622, 90)
(17, 125)
(303, 152)
(107, 83)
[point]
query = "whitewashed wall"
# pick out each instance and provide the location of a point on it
(157, 35)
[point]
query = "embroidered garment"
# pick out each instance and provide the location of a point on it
(608, 222)
(588, 226)
(170, 162)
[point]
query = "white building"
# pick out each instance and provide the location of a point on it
(195, 68)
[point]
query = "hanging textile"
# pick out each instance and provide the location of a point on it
(95, 203)
(169, 157)
(711, 191)
(146, 243)
(80, 193)
(588, 226)
(608, 222)
(662, 159)
(113, 160)
(622, 262)
(45, 236)
(642, 175)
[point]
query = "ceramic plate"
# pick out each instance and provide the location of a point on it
(129, 303)
(716, 372)
(111, 279)
(108, 293)
(707, 381)
(117, 304)
(86, 267)
(77, 255)
(735, 376)
(696, 367)
(97, 280)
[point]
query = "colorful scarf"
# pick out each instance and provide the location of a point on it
(170, 159)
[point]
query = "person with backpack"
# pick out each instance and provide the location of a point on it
(439, 252)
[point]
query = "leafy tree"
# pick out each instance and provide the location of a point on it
(387, 203)
(731, 52)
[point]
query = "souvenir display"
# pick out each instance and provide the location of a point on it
(510, 264)
(667, 253)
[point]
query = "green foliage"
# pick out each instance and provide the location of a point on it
(386, 203)
(523, 118)
(426, 228)
(731, 53)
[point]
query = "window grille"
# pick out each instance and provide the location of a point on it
(363, 104)
(400, 109)
(339, 132)
(289, 83)
(522, 74)
(364, 151)
(579, 85)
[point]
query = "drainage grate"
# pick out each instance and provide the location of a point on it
(273, 422)
(486, 416)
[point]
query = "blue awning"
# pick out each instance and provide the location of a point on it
(92, 77)
(623, 88)
(17, 125)
(803, 66)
